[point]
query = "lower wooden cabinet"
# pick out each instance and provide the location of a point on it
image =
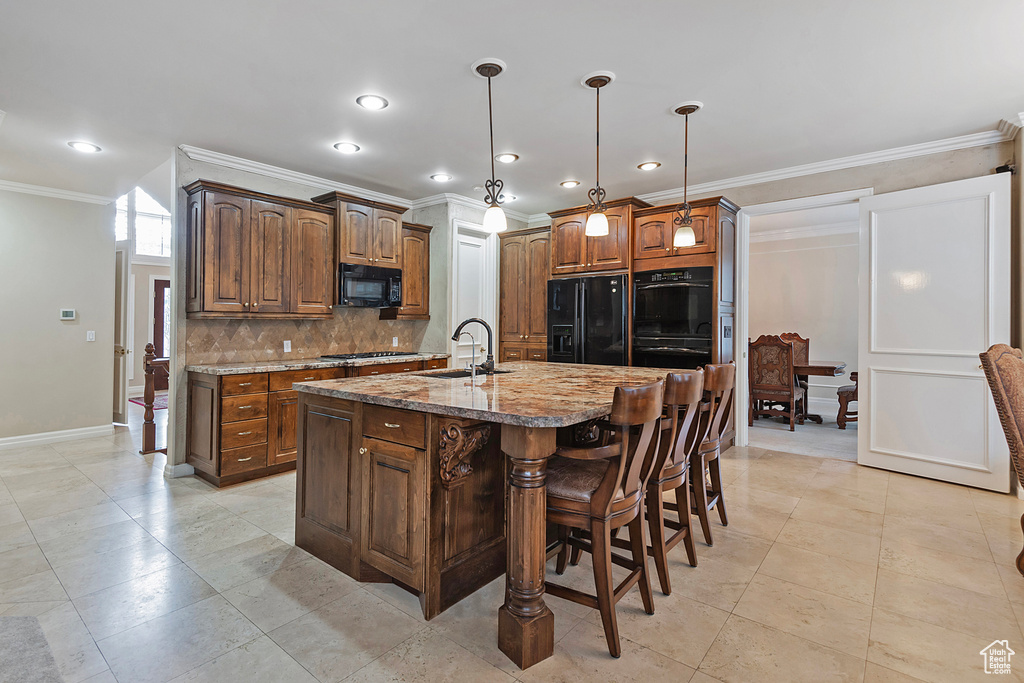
(281, 446)
(511, 353)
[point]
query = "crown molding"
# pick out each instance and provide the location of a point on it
(538, 220)
(240, 164)
(42, 191)
(847, 228)
(462, 200)
(1011, 126)
(991, 137)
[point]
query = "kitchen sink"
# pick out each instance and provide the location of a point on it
(456, 374)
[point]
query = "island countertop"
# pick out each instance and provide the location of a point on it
(530, 394)
(245, 368)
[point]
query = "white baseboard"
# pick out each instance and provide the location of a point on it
(54, 437)
(180, 470)
(136, 391)
(824, 406)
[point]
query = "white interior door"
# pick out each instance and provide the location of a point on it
(473, 290)
(935, 292)
(121, 348)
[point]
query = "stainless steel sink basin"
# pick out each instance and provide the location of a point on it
(456, 374)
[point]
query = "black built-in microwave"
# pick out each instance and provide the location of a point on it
(369, 286)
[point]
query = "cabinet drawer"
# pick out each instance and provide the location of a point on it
(244, 433)
(282, 381)
(235, 408)
(389, 368)
(233, 385)
(511, 354)
(437, 363)
(395, 425)
(537, 353)
(237, 460)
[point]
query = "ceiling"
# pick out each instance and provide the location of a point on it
(784, 83)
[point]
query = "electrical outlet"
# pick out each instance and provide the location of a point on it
(90, 335)
(394, 341)
(287, 345)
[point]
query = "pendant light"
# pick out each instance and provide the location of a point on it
(684, 236)
(597, 221)
(494, 217)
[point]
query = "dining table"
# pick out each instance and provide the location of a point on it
(819, 368)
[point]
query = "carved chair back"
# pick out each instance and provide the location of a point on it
(719, 384)
(684, 392)
(1004, 370)
(635, 417)
(771, 368)
(801, 347)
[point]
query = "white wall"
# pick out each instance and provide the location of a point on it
(143, 323)
(55, 253)
(809, 285)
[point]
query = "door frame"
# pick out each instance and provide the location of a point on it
(742, 256)
(490, 279)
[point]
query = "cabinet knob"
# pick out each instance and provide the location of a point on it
(526, 337)
(362, 451)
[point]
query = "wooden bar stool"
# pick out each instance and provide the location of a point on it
(682, 432)
(719, 382)
(600, 489)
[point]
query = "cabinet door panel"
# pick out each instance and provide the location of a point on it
(388, 239)
(394, 523)
(194, 264)
(610, 252)
(513, 305)
(282, 425)
(313, 272)
(653, 236)
(568, 245)
(704, 232)
(355, 235)
(538, 259)
(327, 495)
(271, 258)
(226, 242)
(415, 272)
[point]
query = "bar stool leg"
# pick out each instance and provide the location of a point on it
(563, 553)
(700, 495)
(601, 539)
(683, 503)
(639, 545)
(715, 470)
(656, 520)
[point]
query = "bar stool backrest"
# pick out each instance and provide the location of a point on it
(636, 412)
(719, 384)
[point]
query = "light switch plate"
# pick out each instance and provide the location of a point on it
(90, 336)
(394, 341)
(287, 345)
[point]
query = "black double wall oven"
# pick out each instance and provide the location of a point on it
(673, 324)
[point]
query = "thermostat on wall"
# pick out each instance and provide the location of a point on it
(67, 314)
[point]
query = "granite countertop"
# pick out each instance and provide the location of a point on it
(532, 394)
(305, 364)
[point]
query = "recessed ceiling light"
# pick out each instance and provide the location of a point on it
(649, 165)
(508, 197)
(441, 177)
(347, 147)
(506, 158)
(371, 102)
(569, 183)
(478, 188)
(86, 147)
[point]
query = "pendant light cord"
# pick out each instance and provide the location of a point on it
(490, 121)
(686, 157)
(597, 146)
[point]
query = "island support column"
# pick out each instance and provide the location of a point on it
(526, 627)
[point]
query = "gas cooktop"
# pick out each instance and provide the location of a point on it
(370, 354)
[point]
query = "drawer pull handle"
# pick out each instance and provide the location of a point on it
(407, 370)
(244, 407)
(245, 459)
(392, 425)
(244, 433)
(305, 378)
(375, 372)
(244, 384)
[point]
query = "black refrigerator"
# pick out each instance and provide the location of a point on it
(587, 320)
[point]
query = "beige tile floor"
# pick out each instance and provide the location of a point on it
(827, 571)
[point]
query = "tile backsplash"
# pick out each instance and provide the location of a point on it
(349, 331)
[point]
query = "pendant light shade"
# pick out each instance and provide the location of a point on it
(597, 221)
(597, 225)
(494, 219)
(684, 235)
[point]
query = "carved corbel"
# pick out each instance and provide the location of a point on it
(458, 444)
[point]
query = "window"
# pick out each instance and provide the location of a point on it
(141, 219)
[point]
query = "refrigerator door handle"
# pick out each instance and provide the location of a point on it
(580, 322)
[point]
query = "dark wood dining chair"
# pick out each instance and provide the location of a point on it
(682, 433)
(770, 362)
(705, 466)
(1004, 370)
(600, 489)
(847, 394)
(801, 355)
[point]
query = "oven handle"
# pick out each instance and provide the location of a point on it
(673, 349)
(673, 284)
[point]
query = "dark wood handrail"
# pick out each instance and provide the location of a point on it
(151, 364)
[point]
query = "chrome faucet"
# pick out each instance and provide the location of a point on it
(488, 365)
(472, 364)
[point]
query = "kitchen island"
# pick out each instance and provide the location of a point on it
(402, 479)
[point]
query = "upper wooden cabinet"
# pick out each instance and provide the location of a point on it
(714, 224)
(250, 254)
(525, 259)
(369, 233)
(415, 250)
(573, 252)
